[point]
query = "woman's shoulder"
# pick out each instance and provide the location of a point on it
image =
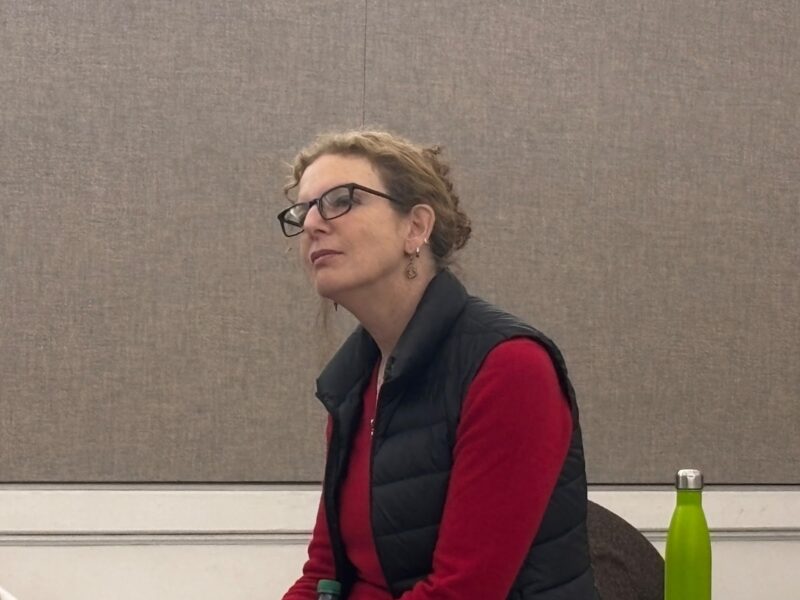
(482, 317)
(522, 356)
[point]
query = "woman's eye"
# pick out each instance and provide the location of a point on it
(340, 201)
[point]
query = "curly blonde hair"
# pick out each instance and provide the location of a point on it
(412, 175)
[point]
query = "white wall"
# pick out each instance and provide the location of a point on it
(247, 543)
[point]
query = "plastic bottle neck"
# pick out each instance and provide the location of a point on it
(690, 497)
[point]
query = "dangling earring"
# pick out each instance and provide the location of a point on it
(336, 306)
(411, 269)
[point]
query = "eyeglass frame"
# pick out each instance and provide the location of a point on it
(351, 187)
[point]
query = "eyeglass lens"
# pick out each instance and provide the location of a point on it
(333, 203)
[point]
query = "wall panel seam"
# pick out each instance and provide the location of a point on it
(364, 72)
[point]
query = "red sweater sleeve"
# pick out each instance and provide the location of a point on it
(511, 443)
(320, 557)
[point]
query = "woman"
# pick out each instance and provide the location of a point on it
(455, 465)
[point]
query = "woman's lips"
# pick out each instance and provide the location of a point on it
(321, 256)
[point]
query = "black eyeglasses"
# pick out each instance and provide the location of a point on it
(331, 205)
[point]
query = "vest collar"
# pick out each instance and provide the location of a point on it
(440, 305)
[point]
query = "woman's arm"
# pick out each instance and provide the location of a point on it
(319, 564)
(320, 556)
(511, 444)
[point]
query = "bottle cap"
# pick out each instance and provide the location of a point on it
(329, 586)
(689, 479)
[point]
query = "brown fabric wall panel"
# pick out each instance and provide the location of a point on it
(152, 319)
(633, 173)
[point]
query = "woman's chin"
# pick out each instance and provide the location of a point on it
(328, 287)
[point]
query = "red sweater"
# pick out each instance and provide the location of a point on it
(511, 443)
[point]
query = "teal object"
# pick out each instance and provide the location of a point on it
(328, 589)
(687, 560)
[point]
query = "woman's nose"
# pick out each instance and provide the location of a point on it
(314, 220)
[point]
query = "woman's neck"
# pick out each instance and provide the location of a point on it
(386, 314)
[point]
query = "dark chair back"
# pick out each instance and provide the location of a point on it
(626, 565)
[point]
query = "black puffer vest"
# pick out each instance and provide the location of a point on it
(425, 382)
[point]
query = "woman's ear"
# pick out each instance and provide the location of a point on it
(421, 221)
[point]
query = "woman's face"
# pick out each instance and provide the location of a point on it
(360, 251)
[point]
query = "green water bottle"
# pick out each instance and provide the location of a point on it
(687, 560)
(328, 589)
